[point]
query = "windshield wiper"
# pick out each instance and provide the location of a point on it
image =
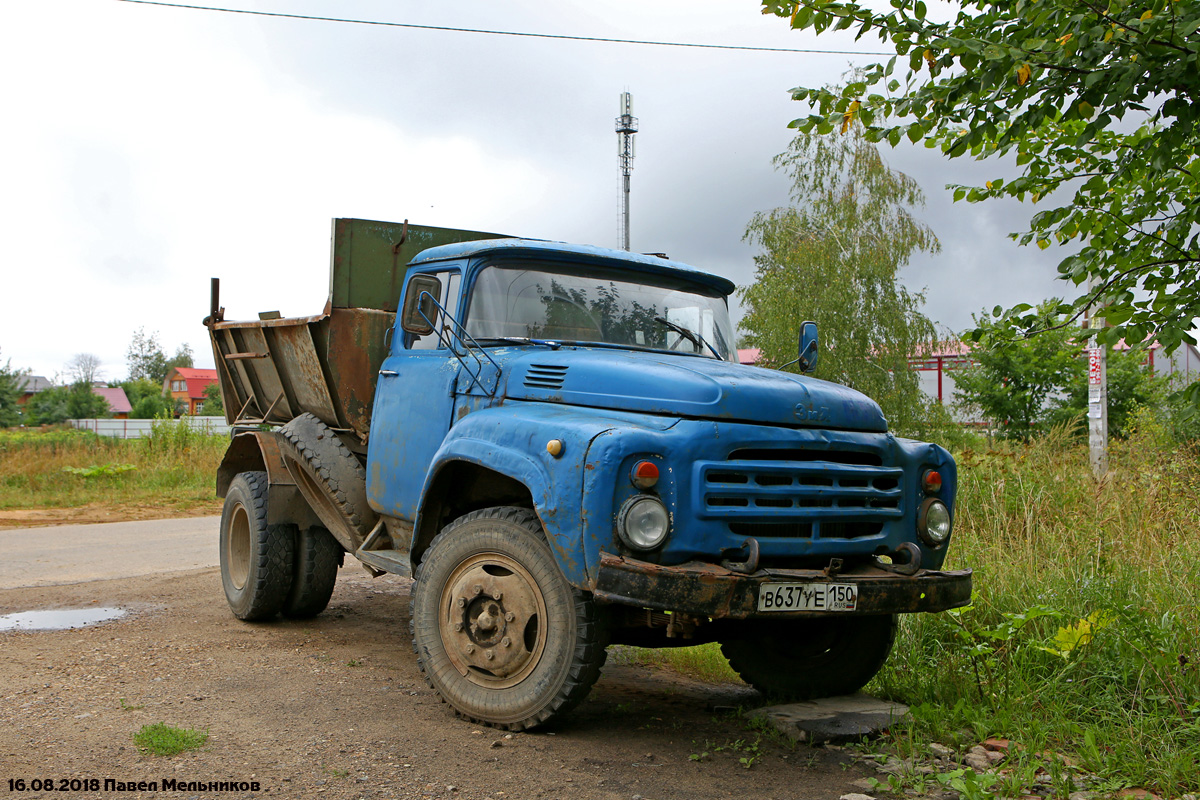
(521, 340)
(690, 335)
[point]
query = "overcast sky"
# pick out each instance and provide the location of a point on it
(147, 149)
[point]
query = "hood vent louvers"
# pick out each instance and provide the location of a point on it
(545, 376)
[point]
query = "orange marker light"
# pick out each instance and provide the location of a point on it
(932, 482)
(644, 474)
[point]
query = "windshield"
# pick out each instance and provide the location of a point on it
(594, 305)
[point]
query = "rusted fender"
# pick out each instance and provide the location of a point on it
(252, 452)
(258, 451)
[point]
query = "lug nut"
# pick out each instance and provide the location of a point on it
(496, 595)
(470, 649)
(478, 589)
(462, 602)
(458, 626)
(489, 654)
(510, 616)
(507, 642)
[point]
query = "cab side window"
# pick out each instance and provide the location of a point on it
(450, 282)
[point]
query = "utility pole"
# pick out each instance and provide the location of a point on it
(1097, 399)
(627, 126)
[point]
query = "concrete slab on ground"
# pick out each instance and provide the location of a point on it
(833, 719)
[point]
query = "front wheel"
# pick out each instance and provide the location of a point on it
(498, 631)
(810, 658)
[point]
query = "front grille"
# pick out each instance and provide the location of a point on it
(545, 376)
(821, 495)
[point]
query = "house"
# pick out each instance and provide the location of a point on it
(186, 386)
(31, 385)
(748, 355)
(1184, 362)
(118, 402)
(935, 368)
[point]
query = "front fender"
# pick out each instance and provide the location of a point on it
(511, 439)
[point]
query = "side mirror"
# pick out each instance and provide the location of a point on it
(808, 346)
(419, 314)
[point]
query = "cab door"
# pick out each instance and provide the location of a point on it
(414, 404)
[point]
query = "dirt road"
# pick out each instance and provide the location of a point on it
(336, 708)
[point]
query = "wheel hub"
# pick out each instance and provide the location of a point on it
(237, 547)
(493, 620)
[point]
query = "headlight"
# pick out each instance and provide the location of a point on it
(643, 522)
(933, 522)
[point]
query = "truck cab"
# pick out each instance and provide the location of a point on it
(563, 452)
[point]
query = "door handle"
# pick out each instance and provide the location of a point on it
(390, 373)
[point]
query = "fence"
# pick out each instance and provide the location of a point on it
(137, 428)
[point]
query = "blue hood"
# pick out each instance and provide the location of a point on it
(685, 386)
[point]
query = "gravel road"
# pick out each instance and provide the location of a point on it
(332, 707)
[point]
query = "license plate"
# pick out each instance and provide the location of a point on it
(808, 597)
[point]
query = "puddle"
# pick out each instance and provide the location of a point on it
(59, 619)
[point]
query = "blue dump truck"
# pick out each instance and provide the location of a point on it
(557, 444)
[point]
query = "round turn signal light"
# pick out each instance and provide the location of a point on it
(644, 474)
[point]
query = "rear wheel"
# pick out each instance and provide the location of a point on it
(809, 658)
(498, 631)
(256, 558)
(318, 556)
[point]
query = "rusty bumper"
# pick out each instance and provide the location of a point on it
(709, 590)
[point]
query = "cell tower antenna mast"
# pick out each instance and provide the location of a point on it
(627, 126)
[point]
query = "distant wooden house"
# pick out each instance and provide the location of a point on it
(118, 402)
(31, 385)
(186, 385)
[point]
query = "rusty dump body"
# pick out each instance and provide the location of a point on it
(272, 369)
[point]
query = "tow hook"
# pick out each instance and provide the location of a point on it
(906, 560)
(750, 565)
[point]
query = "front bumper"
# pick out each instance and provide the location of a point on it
(709, 590)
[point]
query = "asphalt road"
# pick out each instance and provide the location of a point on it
(51, 556)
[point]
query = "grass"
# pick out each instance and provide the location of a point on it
(1083, 637)
(161, 739)
(173, 469)
(703, 662)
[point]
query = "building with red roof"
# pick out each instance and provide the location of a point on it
(118, 402)
(186, 385)
(748, 355)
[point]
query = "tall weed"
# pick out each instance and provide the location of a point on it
(1084, 632)
(174, 468)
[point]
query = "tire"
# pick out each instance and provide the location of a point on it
(810, 658)
(330, 478)
(318, 556)
(556, 636)
(256, 558)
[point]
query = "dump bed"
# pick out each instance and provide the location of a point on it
(273, 369)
